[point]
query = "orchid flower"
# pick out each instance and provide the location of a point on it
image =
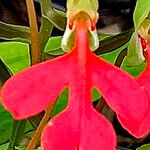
(79, 126)
(144, 81)
(144, 77)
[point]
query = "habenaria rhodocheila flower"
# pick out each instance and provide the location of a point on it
(79, 126)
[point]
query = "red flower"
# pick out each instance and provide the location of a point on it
(79, 125)
(144, 80)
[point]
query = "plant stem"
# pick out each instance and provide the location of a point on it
(35, 39)
(120, 57)
(101, 104)
(36, 58)
(40, 128)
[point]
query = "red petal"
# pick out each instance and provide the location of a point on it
(97, 133)
(143, 127)
(61, 132)
(138, 130)
(33, 89)
(122, 92)
(68, 132)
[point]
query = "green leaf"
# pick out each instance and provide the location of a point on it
(45, 31)
(141, 11)
(5, 117)
(105, 36)
(111, 56)
(5, 73)
(135, 70)
(17, 133)
(144, 147)
(53, 46)
(5, 125)
(50, 18)
(14, 32)
(4, 146)
(25, 140)
(57, 19)
(135, 51)
(15, 55)
(111, 43)
(35, 120)
(95, 95)
(46, 26)
(61, 103)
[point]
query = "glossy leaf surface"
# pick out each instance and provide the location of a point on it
(14, 32)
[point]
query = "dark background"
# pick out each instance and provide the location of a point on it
(117, 12)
